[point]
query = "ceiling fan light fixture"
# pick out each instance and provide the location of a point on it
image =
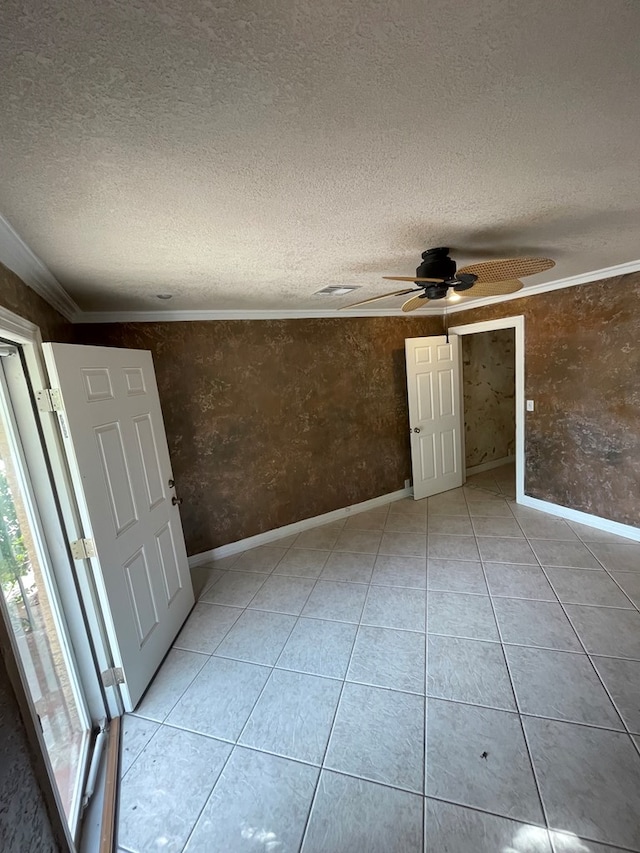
(464, 281)
(436, 291)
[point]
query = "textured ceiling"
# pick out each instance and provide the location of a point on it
(241, 154)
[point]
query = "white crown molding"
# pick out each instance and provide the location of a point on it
(300, 314)
(18, 257)
(237, 314)
(558, 284)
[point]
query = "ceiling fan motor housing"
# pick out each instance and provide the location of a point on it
(436, 263)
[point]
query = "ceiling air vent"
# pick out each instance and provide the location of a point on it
(335, 290)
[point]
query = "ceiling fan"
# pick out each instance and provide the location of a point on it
(438, 272)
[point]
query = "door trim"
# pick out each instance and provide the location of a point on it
(60, 522)
(516, 323)
(27, 335)
(38, 750)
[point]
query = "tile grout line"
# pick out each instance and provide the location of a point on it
(635, 745)
(206, 802)
(359, 626)
(609, 573)
(163, 722)
(515, 695)
(344, 683)
(579, 638)
(314, 798)
(235, 744)
(586, 651)
(274, 571)
(232, 744)
(321, 766)
(587, 654)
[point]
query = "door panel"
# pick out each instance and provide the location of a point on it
(446, 393)
(427, 444)
(136, 572)
(435, 416)
(118, 455)
(425, 396)
(150, 462)
(168, 562)
(116, 477)
(448, 446)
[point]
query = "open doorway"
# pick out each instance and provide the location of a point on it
(493, 388)
(489, 404)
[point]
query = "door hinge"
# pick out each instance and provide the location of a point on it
(112, 676)
(49, 400)
(82, 549)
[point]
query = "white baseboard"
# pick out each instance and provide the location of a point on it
(297, 527)
(487, 466)
(582, 518)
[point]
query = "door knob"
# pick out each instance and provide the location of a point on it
(176, 501)
(417, 429)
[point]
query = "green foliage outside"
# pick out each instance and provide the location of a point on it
(14, 560)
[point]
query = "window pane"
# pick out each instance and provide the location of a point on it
(37, 629)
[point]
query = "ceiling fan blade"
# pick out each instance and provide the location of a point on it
(414, 302)
(412, 278)
(493, 288)
(508, 269)
(375, 298)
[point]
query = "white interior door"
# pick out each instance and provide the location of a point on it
(116, 445)
(435, 414)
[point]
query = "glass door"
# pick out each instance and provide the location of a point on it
(32, 608)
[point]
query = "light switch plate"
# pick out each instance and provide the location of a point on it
(530, 405)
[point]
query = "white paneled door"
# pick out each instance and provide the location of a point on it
(435, 414)
(116, 446)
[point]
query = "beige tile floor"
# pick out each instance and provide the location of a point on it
(458, 674)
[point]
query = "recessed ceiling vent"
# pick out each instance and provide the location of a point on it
(335, 290)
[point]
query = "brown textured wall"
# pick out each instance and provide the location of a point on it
(24, 820)
(270, 422)
(582, 362)
(488, 385)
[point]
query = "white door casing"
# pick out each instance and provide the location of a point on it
(435, 414)
(117, 450)
(517, 324)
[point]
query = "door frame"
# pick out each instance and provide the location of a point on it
(61, 524)
(516, 323)
(78, 595)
